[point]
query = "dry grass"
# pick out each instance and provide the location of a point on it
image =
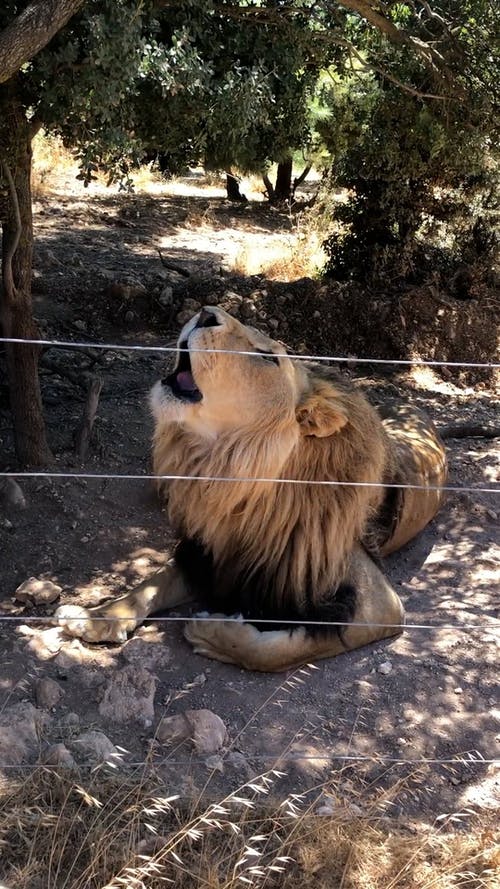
(293, 256)
(58, 832)
(53, 165)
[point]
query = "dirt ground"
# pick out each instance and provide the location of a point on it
(427, 694)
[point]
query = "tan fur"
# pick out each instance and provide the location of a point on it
(257, 420)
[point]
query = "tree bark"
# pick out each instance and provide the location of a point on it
(16, 311)
(283, 187)
(233, 188)
(31, 30)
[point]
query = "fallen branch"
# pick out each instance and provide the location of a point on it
(172, 266)
(84, 433)
(469, 430)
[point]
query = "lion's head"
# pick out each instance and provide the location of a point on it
(217, 392)
(260, 415)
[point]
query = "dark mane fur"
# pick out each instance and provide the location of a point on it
(227, 590)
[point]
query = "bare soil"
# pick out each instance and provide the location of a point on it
(98, 278)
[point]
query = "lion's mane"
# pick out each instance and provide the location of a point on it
(265, 548)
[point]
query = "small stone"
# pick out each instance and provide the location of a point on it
(37, 592)
(274, 323)
(129, 317)
(458, 690)
(129, 695)
(70, 721)
(237, 761)
(80, 325)
(166, 296)
(96, 747)
(11, 493)
(20, 728)
(205, 729)
(45, 644)
(215, 764)
(58, 755)
(147, 650)
(183, 317)
(248, 309)
(84, 539)
(455, 781)
(191, 305)
(385, 668)
(48, 693)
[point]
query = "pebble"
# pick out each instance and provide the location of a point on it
(48, 693)
(166, 296)
(385, 668)
(37, 592)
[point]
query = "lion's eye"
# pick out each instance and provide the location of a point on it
(268, 356)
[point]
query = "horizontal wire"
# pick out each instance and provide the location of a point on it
(68, 344)
(265, 757)
(54, 620)
(218, 478)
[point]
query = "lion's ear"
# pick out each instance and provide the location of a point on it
(320, 416)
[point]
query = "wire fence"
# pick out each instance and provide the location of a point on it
(250, 479)
(472, 758)
(335, 359)
(493, 625)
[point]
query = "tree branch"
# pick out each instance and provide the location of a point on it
(432, 58)
(31, 30)
(7, 274)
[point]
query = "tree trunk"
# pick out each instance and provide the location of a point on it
(283, 187)
(16, 312)
(233, 188)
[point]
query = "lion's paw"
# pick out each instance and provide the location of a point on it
(91, 625)
(223, 640)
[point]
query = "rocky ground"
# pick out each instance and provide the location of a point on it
(429, 694)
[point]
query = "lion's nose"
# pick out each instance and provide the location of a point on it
(207, 318)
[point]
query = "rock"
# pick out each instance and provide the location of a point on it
(80, 325)
(20, 729)
(70, 722)
(37, 592)
(237, 761)
(343, 811)
(58, 755)
(11, 493)
(205, 729)
(129, 694)
(384, 668)
(129, 317)
(183, 317)
(45, 643)
(166, 296)
(191, 305)
(248, 309)
(96, 747)
(48, 693)
(149, 846)
(148, 650)
(232, 296)
(274, 323)
(215, 763)
(128, 289)
(72, 654)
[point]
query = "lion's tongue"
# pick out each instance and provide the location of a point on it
(185, 381)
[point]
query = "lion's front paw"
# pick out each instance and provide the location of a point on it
(223, 640)
(93, 624)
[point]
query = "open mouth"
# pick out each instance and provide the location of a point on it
(181, 381)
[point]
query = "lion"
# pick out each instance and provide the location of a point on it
(251, 436)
